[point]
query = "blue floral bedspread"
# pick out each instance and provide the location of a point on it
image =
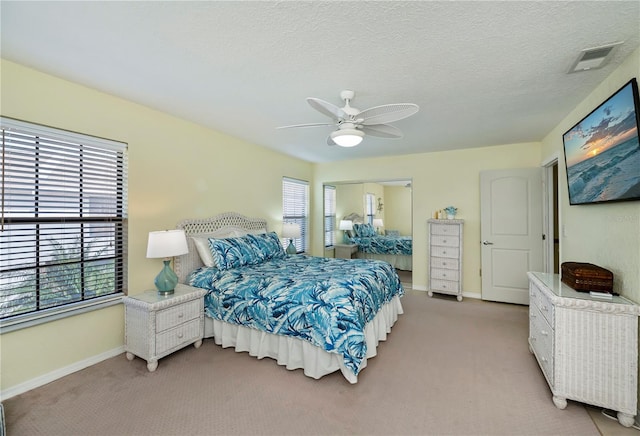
(324, 301)
(384, 244)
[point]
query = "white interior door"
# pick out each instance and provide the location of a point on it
(510, 232)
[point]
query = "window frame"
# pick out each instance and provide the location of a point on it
(295, 209)
(329, 212)
(71, 203)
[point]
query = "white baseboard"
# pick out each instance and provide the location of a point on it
(58, 373)
(476, 295)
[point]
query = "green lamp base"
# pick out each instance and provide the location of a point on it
(167, 280)
(291, 249)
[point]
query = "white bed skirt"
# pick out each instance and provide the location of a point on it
(295, 353)
(399, 261)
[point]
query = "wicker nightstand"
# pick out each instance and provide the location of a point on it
(346, 251)
(157, 325)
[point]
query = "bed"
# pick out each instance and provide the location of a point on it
(397, 250)
(318, 314)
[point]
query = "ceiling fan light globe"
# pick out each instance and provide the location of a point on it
(347, 137)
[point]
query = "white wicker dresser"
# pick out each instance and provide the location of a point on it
(445, 257)
(586, 347)
(157, 325)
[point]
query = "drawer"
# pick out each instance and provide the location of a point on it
(446, 241)
(445, 229)
(444, 285)
(178, 336)
(541, 338)
(445, 274)
(444, 262)
(173, 316)
(450, 252)
(546, 308)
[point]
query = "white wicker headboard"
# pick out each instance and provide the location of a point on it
(356, 218)
(183, 265)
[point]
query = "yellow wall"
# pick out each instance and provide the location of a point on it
(605, 234)
(438, 180)
(177, 169)
(397, 209)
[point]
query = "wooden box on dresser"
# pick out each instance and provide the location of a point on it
(445, 257)
(587, 347)
(157, 325)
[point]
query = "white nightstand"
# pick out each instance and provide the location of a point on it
(157, 325)
(345, 251)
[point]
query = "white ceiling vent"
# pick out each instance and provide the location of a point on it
(592, 58)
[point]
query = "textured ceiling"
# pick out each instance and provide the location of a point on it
(483, 73)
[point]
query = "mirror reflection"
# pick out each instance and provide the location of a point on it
(370, 220)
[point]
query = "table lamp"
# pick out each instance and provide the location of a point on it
(345, 225)
(291, 231)
(166, 244)
(377, 224)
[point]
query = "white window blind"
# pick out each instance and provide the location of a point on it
(63, 228)
(329, 215)
(295, 209)
(370, 201)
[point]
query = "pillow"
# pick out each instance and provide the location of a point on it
(201, 241)
(267, 245)
(234, 252)
(364, 230)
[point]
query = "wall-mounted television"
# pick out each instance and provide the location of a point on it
(602, 151)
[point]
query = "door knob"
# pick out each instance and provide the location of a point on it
(485, 242)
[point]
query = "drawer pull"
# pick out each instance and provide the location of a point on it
(181, 315)
(444, 241)
(544, 333)
(533, 315)
(180, 335)
(444, 263)
(544, 359)
(533, 338)
(544, 308)
(444, 252)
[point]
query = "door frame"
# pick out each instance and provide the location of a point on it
(548, 225)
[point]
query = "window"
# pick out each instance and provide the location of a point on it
(329, 215)
(295, 209)
(63, 229)
(370, 207)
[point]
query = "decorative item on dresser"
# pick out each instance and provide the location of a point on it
(156, 325)
(587, 347)
(445, 257)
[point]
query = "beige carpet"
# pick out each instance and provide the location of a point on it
(447, 368)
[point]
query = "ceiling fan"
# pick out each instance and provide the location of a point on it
(353, 124)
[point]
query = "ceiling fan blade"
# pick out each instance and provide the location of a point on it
(383, 131)
(387, 113)
(306, 125)
(330, 141)
(329, 109)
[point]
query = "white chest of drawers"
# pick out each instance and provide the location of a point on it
(157, 325)
(587, 348)
(445, 257)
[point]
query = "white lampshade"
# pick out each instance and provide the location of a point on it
(345, 225)
(347, 137)
(377, 223)
(167, 243)
(291, 230)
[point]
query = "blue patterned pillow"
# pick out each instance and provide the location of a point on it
(364, 230)
(267, 245)
(233, 252)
